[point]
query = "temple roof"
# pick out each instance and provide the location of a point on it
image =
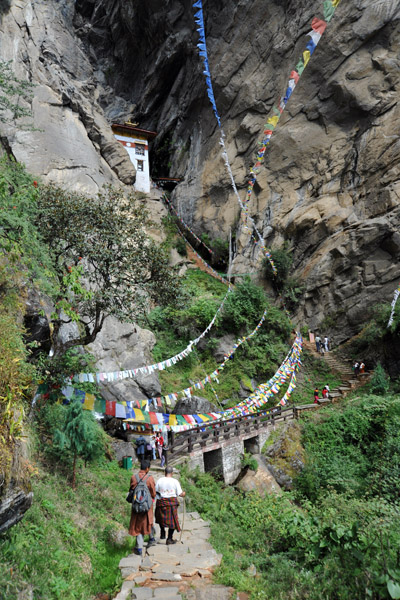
(131, 130)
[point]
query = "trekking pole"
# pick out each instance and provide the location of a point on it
(183, 519)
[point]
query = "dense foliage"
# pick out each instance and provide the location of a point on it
(257, 359)
(104, 262)
(337, 536)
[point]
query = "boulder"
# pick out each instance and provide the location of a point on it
(193, 405)
(261, 481)
(121, 346)
(285, 456)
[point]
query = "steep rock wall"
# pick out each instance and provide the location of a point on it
(330, 183)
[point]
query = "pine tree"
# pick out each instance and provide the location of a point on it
(80, 436)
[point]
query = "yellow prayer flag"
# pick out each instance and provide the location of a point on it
(273, 120)
(335, 3)
(89, 401)
(138, 414)
(173, 420)
(204, 417)
(306, 57)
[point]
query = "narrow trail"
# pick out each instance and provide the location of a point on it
(341, 368)
(182, 571)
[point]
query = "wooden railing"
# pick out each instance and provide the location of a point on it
(208, 434)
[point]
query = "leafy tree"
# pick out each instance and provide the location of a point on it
(103, 260)
(79, 436)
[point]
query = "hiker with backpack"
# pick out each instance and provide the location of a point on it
(142, 492)
(168, 489)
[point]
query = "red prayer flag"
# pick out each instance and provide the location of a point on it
(110, 408)
(153, 418)
(318, 25)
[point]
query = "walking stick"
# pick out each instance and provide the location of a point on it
(183, 520)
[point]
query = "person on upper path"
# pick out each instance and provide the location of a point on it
(316, 395)
(160, 447)
(317, 343)
(325, 391)
(356, 368)
(326, 343)
(142, 523)
(168, 490)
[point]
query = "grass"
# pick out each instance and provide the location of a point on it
(63, 546)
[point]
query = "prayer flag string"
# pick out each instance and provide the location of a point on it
(173, 209)
(394, 301)
(104, 377)
(139, 411)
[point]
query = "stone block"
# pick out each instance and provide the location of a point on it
(158, 551)
(146, 564)
(143, 593)
(165, 592)
(193, 515)
(196, 524)
(130, 561)
(214, 592)
(208, 561)
(142, 578)
(124, 595)
(127, 572)
(127, 585)
(185, 571)
(166, 577)
(169, 559)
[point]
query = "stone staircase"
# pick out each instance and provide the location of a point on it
(182, 571)
(341, 368)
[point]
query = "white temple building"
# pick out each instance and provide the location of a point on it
(136, 142)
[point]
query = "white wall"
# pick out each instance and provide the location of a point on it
(142, 177)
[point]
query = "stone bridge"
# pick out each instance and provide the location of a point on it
(220, 448)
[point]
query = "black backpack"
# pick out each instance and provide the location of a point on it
(142, 500)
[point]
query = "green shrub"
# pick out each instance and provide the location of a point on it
(248, 461)
(244, 307)
(283, 261)
(180, 246)
(380, 382)
(79, 435)
(201, 312)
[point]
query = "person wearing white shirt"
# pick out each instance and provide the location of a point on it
(168, 489)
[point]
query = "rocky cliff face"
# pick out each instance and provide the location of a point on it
(15, 492)
(330, 185)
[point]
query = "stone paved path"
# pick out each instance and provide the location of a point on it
(182, 571)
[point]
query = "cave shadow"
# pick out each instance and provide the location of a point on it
(5, 6)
